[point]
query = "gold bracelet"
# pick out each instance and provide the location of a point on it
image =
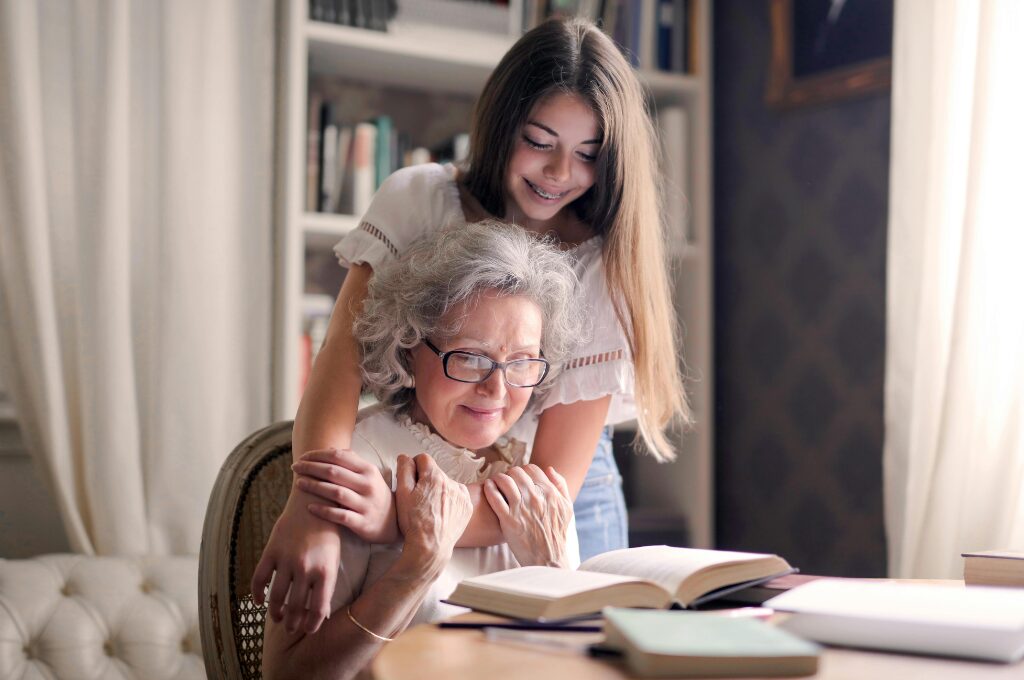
(363, 628)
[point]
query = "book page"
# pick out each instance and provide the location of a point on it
(665, 565)
(546, 582)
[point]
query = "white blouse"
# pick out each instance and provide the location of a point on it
(379, 438)
(417, 200)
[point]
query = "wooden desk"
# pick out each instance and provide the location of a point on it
(427, 652)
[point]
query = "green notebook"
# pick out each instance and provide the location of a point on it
(697, 644)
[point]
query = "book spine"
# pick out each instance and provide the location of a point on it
(646, 38)
(330, 168)
(665, 24)
(313, 151)
(679, 37)
(341, 167)
(382, 150)
(363, 172)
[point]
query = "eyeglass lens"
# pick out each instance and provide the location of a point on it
(475, 368)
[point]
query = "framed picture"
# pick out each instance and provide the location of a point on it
(827, 50)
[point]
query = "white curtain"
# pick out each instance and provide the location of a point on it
(135, 237)
(954, 450)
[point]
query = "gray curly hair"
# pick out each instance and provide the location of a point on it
(408, 299)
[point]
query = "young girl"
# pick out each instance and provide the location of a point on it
(561, 145)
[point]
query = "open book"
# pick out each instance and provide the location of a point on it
(651, 576)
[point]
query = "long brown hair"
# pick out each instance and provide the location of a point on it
(574, 57)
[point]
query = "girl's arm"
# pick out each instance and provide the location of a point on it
(567, 436)
(303, 550)
(433, 510)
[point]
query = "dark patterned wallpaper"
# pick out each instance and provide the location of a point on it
(800, 235)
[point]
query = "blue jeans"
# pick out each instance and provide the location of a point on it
(600, 507)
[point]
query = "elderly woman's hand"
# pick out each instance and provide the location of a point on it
(534, 510)
(433, 510)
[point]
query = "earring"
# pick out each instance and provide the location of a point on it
(409, 382)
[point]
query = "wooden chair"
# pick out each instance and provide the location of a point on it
(248, 496)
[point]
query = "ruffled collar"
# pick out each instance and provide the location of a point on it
(461, 464)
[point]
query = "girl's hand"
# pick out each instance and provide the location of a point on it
(361, 499)
(534, 510)
(304, 553)
(433, 511)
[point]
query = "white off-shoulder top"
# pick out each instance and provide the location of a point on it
(379, 437)
(417, 200)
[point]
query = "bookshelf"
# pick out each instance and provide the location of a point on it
(455, 62)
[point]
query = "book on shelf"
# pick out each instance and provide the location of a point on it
(467, 15)
(994, 568)
(652, 34)
(919, 618)
(681, 644)
(313, 158)
(370, 14)
(650, 576)
(347, 162)
(364, 174)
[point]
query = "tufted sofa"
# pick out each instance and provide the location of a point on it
(72, 616)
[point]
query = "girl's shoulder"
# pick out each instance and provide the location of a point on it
(410, 203)
(428, 189)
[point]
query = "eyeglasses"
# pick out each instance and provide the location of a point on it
(468, 367)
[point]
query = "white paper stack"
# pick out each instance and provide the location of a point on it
(973, 622)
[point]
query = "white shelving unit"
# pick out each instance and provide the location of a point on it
(438, 59)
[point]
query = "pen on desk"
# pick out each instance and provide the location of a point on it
(534, 639)
(524, 625)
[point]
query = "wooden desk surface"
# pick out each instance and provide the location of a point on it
(427, 652)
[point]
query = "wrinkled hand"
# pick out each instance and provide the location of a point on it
(433, 510)
(304, 552)
(534, 510)
(360, 499)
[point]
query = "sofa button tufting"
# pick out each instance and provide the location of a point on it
(108, 648)
(66, 590)
(146, 587)
(185, 646)
(27, 649)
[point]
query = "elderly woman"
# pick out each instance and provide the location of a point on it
(457, 337)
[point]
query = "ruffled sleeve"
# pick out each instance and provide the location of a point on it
(602, 365)
(411, 202)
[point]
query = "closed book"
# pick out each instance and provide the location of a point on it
(994, 568)
(921, 618)
(651, 576)
(762, 592)
(658, 644)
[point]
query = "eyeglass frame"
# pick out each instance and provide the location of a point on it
(444, 356)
